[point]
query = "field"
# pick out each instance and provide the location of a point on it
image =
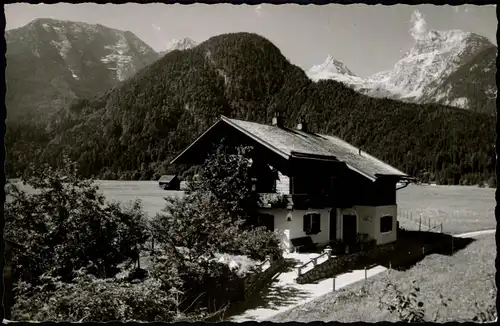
(460, 209)
(148, 192)
(465, 277)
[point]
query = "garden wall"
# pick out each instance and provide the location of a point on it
(341, 264)
(410, 248)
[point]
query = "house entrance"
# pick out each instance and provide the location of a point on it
(349, 226)
(333, 224)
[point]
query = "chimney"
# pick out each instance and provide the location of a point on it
(277, 120)
(302, 125)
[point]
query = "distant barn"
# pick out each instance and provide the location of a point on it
(169, 182)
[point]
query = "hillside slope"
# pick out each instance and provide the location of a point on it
(130, 131)
(50, 63)
(472, 85)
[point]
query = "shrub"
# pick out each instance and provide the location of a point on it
(92, 299)
(406, 305)
(65, 225)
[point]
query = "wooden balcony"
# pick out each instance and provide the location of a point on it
(302, 201)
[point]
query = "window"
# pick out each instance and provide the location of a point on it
(312, 223)
(385, 224)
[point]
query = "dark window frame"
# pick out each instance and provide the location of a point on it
(311, 223)
(385, 227)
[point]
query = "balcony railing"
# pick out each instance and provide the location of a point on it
(277, 200)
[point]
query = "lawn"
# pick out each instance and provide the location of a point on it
(465, 277)
(461, 209)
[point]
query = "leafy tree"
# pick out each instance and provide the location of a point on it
(63, 224)
(215, 216)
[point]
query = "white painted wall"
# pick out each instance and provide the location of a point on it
(383, 238)
(368, 221)
(368, 218)
(293, 229)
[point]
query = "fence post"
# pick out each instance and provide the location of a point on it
(441, 227)
(334, 283)
(365, 274)
(390, 267)
(429, 225)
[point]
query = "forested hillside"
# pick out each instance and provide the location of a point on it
(132, 131)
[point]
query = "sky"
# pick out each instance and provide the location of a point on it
(366, 38)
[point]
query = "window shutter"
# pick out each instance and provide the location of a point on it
(306, 223)
(316, 223)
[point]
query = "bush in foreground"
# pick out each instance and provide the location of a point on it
(64, 224)
(91, 299)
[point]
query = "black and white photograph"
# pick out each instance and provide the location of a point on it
(250, 162)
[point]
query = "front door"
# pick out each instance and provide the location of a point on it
(349, 229)
(333, 224)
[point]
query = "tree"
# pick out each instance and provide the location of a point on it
(215, 216)
(63, 224)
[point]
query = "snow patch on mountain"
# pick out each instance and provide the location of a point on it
(330, 68)
(63, 46)
(460, 102)
(179, 44)
(119, 57)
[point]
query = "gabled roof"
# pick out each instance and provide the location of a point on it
(290, 143)
(167, 178)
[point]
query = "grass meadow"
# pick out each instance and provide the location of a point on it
(465, 277)
(459, 208)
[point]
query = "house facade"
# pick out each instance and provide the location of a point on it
(310, 184)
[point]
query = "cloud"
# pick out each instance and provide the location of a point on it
(419, 25)
(156, 27)
(258, 10)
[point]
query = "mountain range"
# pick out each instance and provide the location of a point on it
(131, 128)
(51, 63)
(432, 71)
